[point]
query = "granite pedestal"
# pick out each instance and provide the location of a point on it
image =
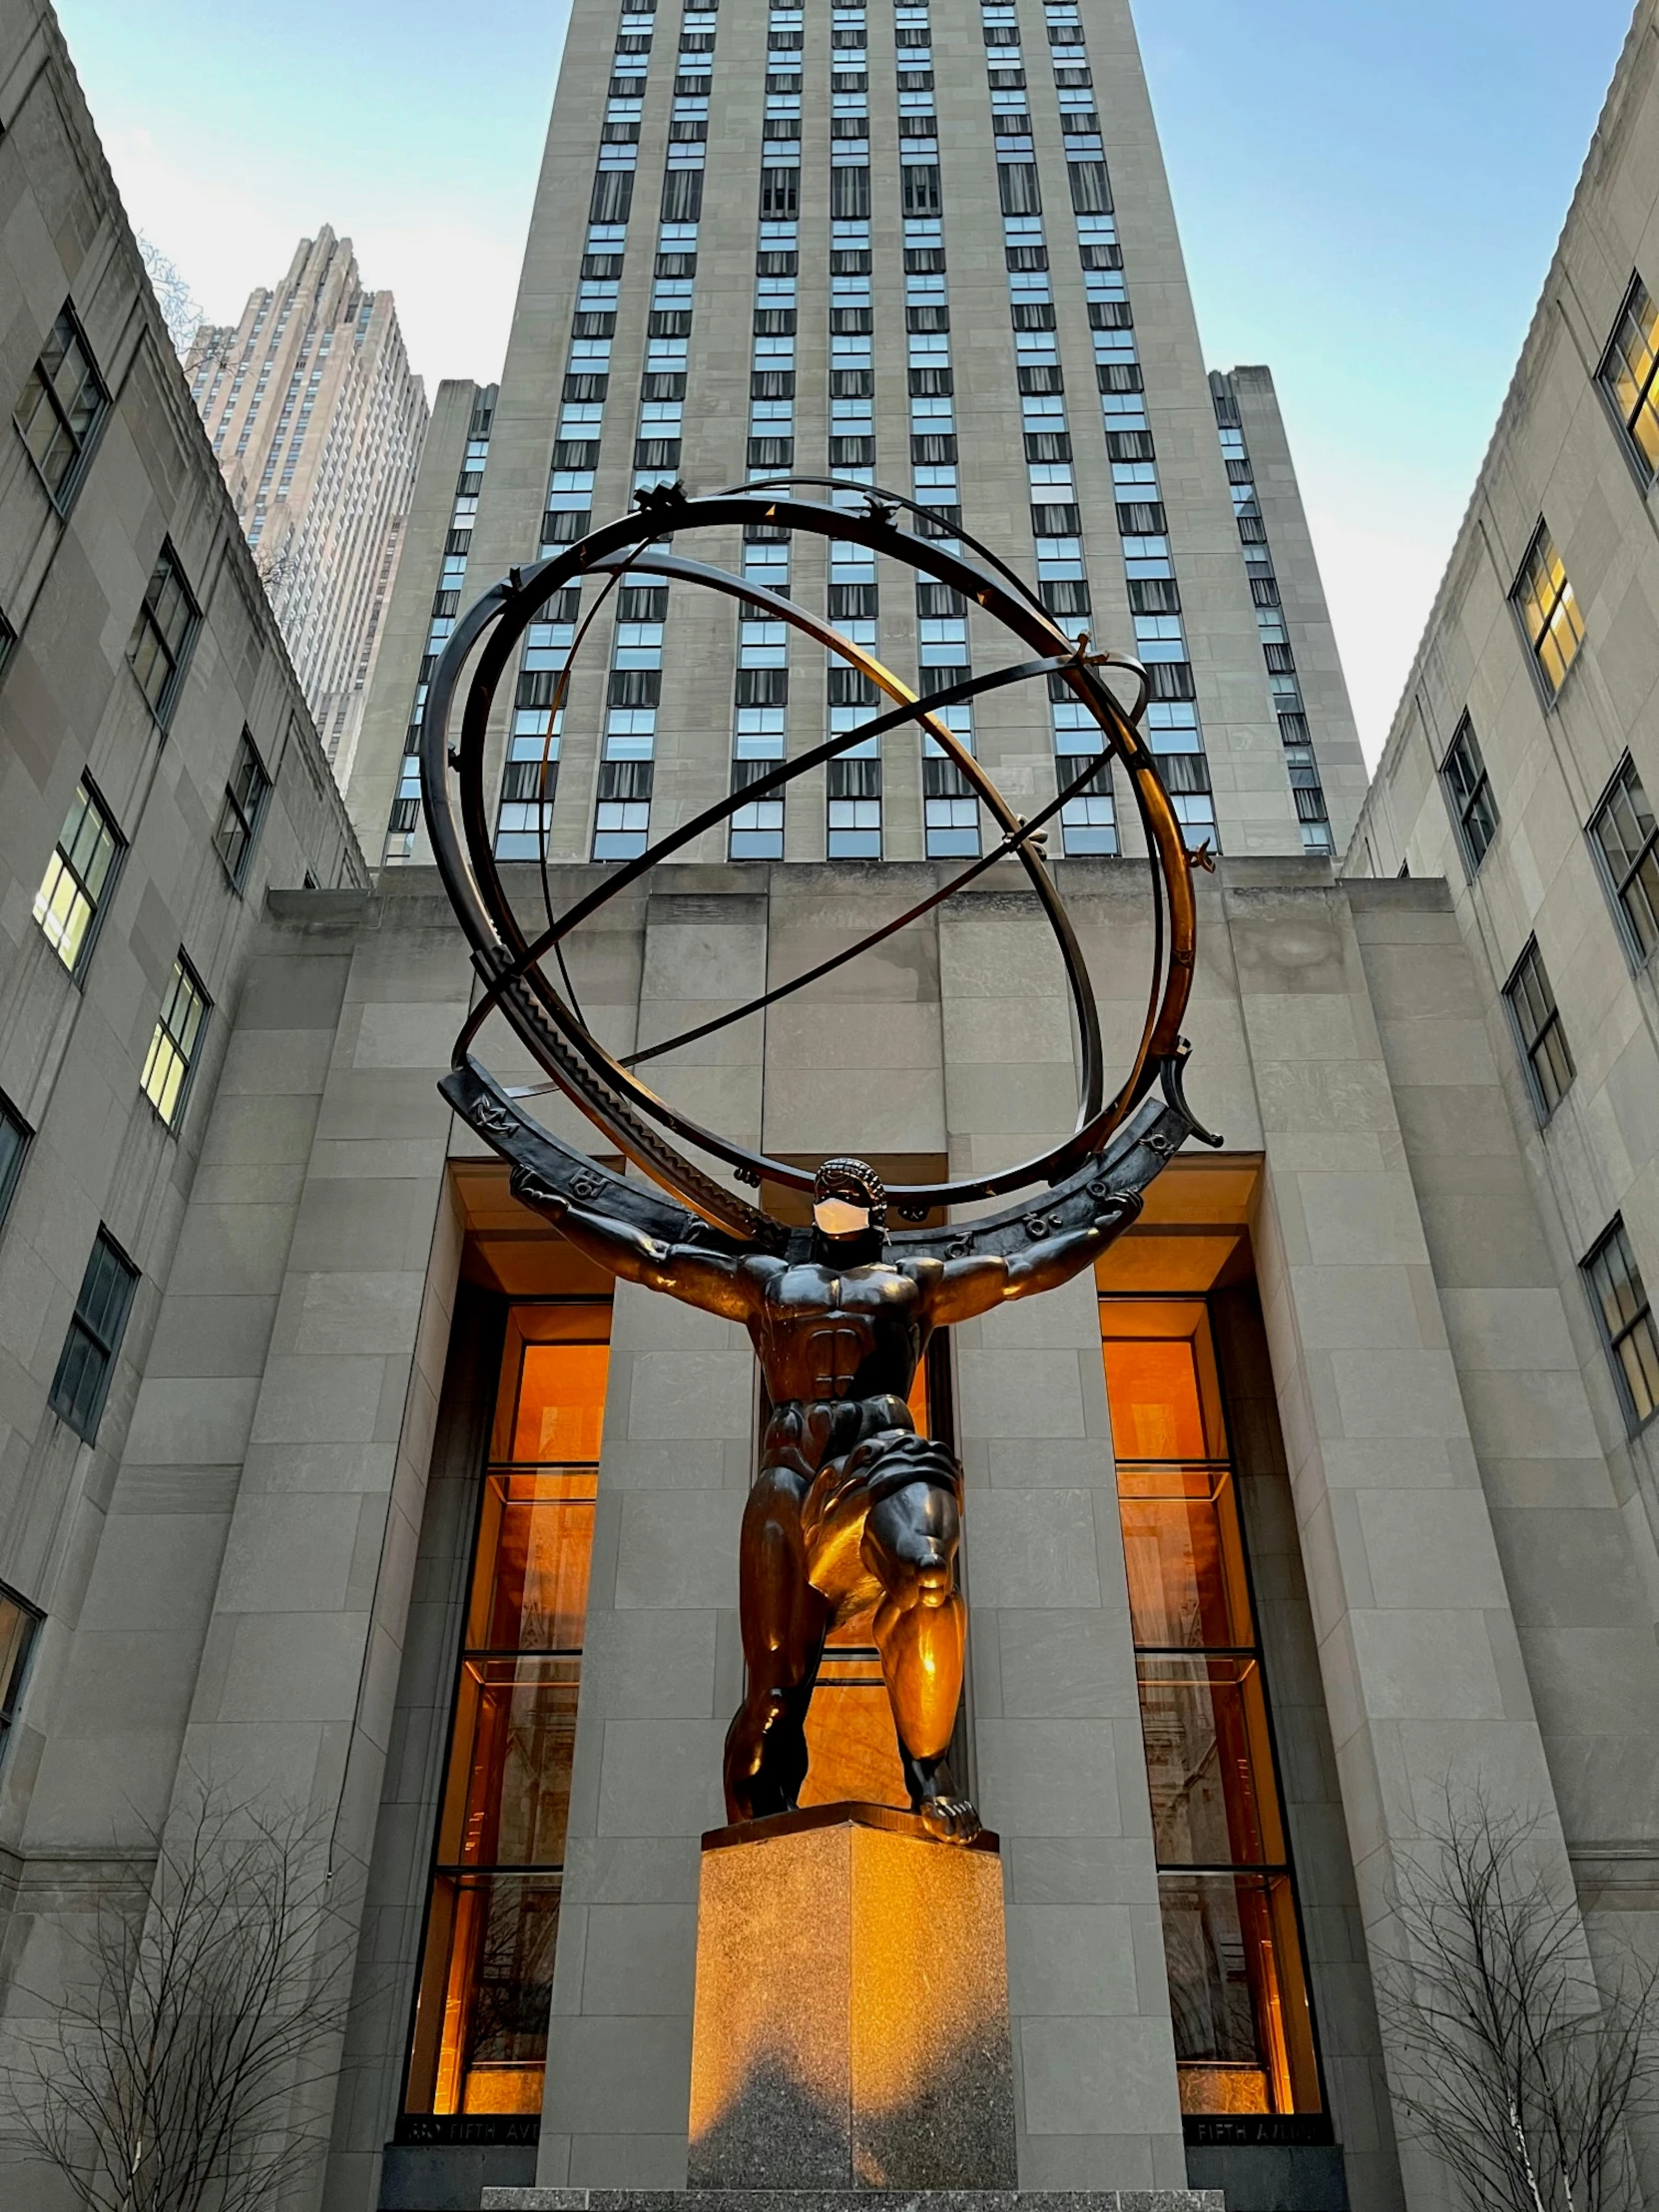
(851, 2017)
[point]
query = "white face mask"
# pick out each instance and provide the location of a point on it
(837, 1218)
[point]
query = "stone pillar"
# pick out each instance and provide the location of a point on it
(293, 1696)
(1056, 1718)
(1421, 1664)
(662, 1668)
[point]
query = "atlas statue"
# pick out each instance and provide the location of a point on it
(851, 1514)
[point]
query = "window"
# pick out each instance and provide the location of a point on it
(243, 812)
(1627, 374)
(1538, 1021)
(79, 877)
(171, 1061)
(14, 1142)
(62, 404)
(161, 635)
(1624, 835)
(1468, 794)
(1244, 2029)
(18, 1623)
(480, 2042)
(1619, 1297)
(1548, 610)
(87, 1362)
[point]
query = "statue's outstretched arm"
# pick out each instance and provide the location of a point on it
(712, 1280)
(975, 1284)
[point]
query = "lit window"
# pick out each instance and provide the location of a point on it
(1243, 2030)
(79, 877)
(161, 634)
(171, 1060)
(1468, 794)
(1627, 374)
(18, 1623)
(241, 812)
(1543, 1042)
(1619, 1297)
(87, 1362)
(1624, 836)
(62, 404)
(1548, 610)
(480, 2042)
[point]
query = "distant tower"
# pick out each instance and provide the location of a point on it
(317, 423)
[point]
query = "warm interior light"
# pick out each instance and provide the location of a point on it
(480, 2034)
(1232, 1946)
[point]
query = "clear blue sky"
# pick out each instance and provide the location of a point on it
(1369, 196)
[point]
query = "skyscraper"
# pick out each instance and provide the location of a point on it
(885, 245)
(316, 423)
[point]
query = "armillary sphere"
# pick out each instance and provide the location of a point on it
(1121, 1137)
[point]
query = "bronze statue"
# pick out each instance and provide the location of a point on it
(852, 1510)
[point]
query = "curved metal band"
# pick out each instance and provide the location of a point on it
(609, 1092)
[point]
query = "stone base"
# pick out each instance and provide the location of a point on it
(852, 2021)
(849, 2200)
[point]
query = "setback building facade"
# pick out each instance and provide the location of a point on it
(385, 1505)
(316, 422)
(1520, 771)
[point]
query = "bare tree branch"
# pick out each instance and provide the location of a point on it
(1515, 2067)
(177, 2072)
(182, 311)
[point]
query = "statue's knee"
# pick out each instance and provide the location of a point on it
(923, 1574)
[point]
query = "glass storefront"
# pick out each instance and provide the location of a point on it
(480, 2031)
(1244, 2032)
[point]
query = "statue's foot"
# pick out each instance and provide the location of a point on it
(953, 1819)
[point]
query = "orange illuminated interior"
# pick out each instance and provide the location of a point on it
(1232, 1944)
(480, 2033)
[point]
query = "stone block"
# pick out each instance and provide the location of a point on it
(851, 2022)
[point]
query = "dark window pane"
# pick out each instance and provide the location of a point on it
(1538, 1025)
(62, 402)
(1471, 793)
(1627, 840)
(87, 1360)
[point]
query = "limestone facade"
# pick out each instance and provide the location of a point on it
(1533, 887)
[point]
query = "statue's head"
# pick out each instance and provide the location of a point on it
(848, 1199)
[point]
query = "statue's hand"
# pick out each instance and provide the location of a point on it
(953, 1819)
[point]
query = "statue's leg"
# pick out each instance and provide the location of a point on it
(911, 1542)
(783, 1622)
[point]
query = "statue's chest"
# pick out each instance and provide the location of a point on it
(831, 1324)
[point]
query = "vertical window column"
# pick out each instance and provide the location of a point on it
(621, 817)
(760, 690)
(446, 605)
(1300, 764)
(1243, 2028)
(950, 812)
(480, 2042)
(852, 780)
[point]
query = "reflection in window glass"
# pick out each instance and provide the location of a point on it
(1244, 2033)
(480, 2031)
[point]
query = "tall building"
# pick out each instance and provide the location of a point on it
(317, 423)
(945, 289)
(338, 1480)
